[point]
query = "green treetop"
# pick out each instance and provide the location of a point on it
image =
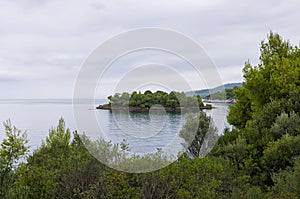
(148, 99)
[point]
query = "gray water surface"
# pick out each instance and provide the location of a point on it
(38, 116)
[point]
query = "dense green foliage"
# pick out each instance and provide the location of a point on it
(275, 80)
(148, 99)
(266, 117)
(258, 158)
(13, 148)
(66, 169)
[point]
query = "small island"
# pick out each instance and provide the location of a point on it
(144, 101)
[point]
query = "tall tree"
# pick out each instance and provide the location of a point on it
(275, 78)
(13, 148)
(199, 134)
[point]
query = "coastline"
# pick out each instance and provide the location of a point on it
(132, 108)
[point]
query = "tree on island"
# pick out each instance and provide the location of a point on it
(147, 99)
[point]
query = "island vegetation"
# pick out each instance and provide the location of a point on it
(258, 158)
(144, 101)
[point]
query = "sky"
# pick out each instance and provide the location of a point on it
(43, 43)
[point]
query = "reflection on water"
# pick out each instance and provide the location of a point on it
(146, 132)
(143, 131)
(218, 115)
(37, 116)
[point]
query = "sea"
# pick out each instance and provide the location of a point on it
(144, 132)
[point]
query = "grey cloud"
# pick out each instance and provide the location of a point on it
(7, 79)
(43, 39)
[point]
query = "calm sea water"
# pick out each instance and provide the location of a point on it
(38, 116)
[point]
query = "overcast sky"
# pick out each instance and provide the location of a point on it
(43, 43)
